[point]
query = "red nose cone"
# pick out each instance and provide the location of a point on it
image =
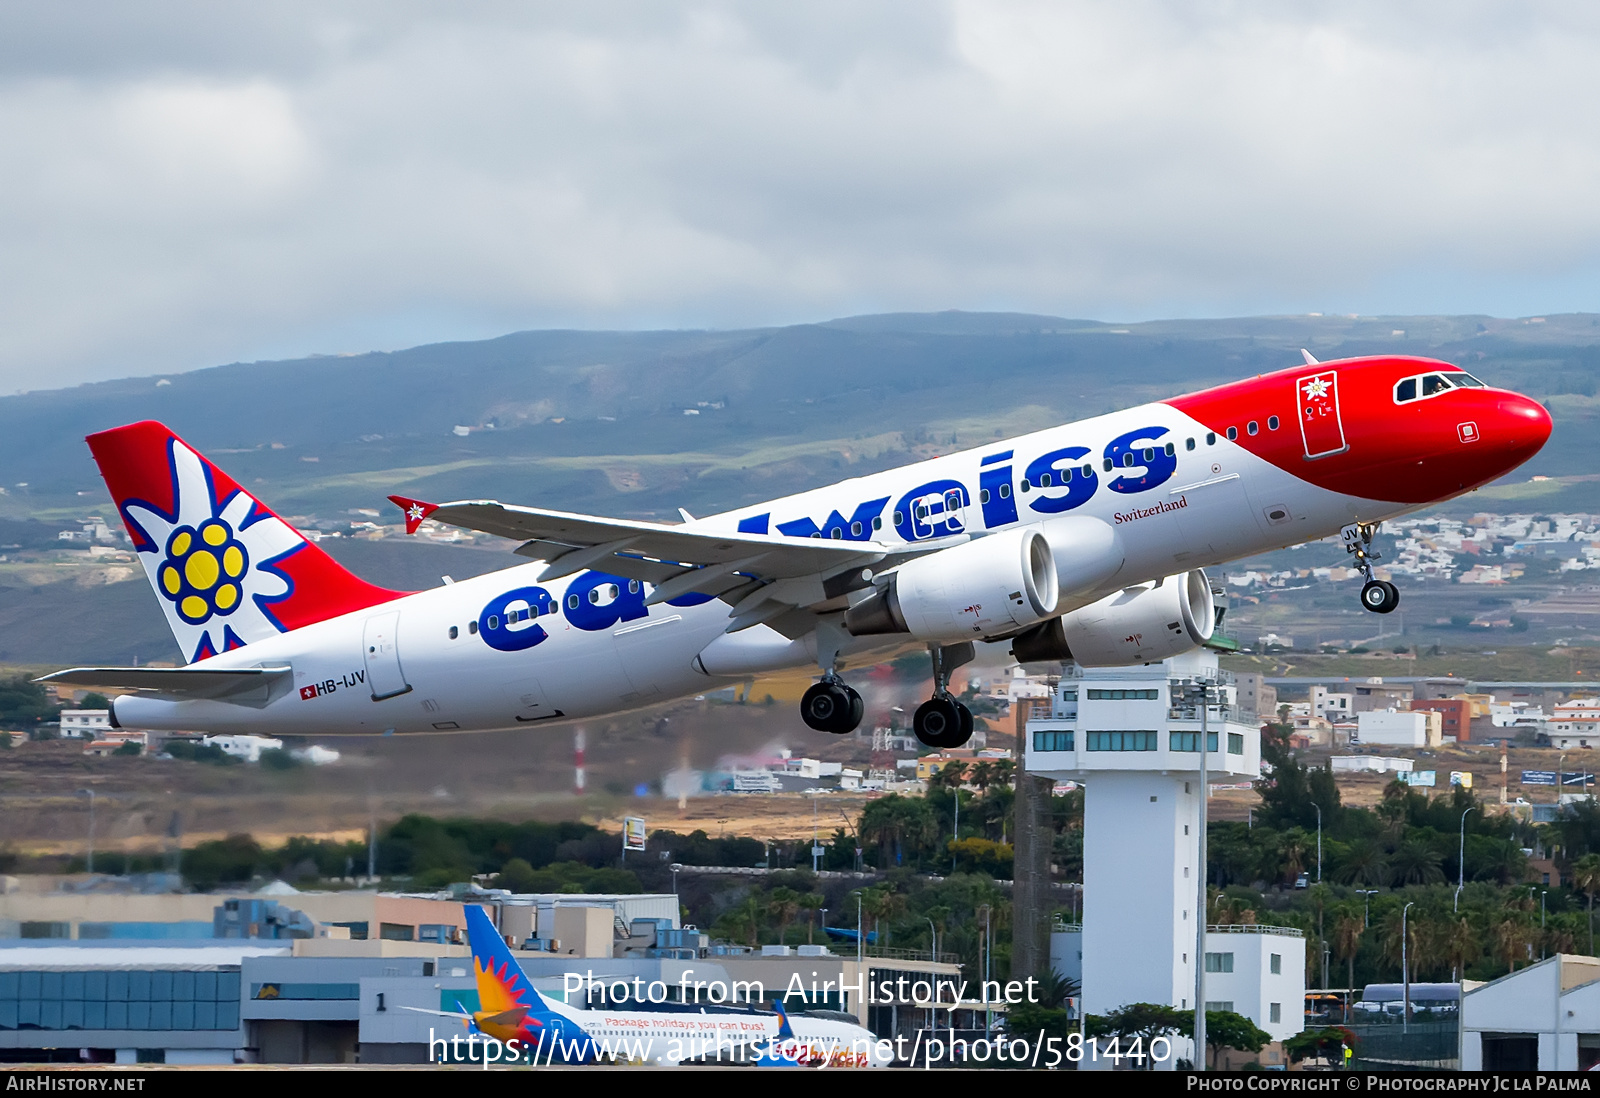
(1525, 424)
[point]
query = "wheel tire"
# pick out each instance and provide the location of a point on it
(858, 710)
(1394, 596)
(824, 706)
(937, 722)
(1380, 597)
(965, 732)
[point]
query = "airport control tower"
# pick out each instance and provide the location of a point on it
(1130, 737)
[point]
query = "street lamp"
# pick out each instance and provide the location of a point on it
(675, 867)
(1366, 905)
(1541, 924)
(988, 948)
(90, 794)
(861, 936)
(933, 940)
(1318, 807)
(1461, 861)
(1405, 971)
(1200, 691)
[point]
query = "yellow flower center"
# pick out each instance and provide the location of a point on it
(201, 570)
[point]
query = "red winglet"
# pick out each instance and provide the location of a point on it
(415, 511)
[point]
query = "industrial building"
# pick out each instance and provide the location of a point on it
(1545, 1017)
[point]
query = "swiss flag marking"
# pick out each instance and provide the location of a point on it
(307, 693)
(1467, 432)
(415, 511)
(1320, 426)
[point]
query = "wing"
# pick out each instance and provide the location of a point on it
(253, 686)
(780, 581)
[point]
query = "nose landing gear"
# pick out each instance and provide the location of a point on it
(1379, 596)
(941, 721)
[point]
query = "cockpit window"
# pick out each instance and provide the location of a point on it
(1427, 385)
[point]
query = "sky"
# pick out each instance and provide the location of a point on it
(191, 183)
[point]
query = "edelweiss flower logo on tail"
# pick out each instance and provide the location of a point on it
(211, 560)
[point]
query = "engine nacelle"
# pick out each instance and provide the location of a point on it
(1135, 625)
(990, 586)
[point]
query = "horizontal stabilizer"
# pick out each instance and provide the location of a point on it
(245, 686)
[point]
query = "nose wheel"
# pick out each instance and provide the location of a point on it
(1378, 596)
(832, 706)
(941, 721)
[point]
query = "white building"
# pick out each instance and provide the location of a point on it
(1256, 971)
(88, 724)
(1412, 728)
(1545, 1017)
(1331, 706)
(248, 748)
(1130, 738)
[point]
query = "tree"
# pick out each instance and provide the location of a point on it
(516, 875)
(783, 904)
(1144, 1021)
(811, 903)
(1347, 934)
(94, 700)
(1329, 1042)
(1414, 863)
(1225, 1029)
(1363, 864)
(1586, 879)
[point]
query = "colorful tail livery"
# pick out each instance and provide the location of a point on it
(509, 1008)
(227, 571)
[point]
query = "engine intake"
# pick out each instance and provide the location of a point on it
(987, 587)
(1135, 625)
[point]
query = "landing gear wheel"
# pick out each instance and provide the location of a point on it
(942, 722)
(831, 706)
(1380, 596)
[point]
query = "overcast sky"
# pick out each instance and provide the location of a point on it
(184, 184)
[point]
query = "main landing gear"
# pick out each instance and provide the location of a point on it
(832, 706)
(941, 721)
(1379, 596)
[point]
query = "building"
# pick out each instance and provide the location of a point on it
(248, 748)
(86, 724)
(1392, 728)
(1332, 706)
(1545, 1017)
(1255, 696)
(1376, 694)
(1132, 736)
(1574, 724)
(1455, 716)
(1375, 764)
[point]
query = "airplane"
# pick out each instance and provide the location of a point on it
(1083, 542)
(529, 1025)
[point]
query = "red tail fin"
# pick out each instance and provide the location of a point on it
(226, 570)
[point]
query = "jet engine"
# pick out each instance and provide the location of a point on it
(990, 586)
(1135, 625)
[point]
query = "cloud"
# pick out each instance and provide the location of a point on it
(185, 184)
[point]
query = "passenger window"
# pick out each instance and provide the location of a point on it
(1272, 423)
(1253, 427)
(494, 621)
(899, 517)
(855, 527)
(633, 587)
(1005, 491)
(572, 602)
(1170, 449)
(1211, 438)
(1433, 383)
(1233, 433)
(454, 632)
(877, 523)
(952, 501)
(1109, 465)
(1088, 471)
(1044, 480)
(1127, 461)
(472, 627)
(836, 534)
(1188, 444)
(1024, 485)
(1149, 453)
(1406, 390)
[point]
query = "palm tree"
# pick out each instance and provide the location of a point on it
(950, 775)
(811, 903)
(1460, 946)
(1363, 864)
(1511, 937)
(783, 904)
(1003, 771)
(1413, 862)
(982, 776)
(1292, 853)
(1586, 879)
(1347, 932)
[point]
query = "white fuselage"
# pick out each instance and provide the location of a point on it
(461, 657)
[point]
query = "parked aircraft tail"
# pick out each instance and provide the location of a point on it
(505, 994)
(226, 570)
